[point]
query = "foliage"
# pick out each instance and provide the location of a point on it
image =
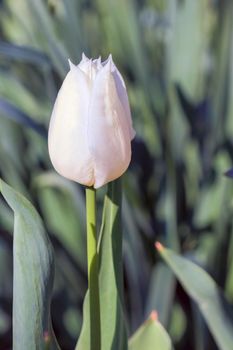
(177, 60)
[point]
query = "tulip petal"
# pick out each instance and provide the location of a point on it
(122, 93)
(84, 57)
(108, 131)
(90, 67)
(67, 140)
(72, 66)
(86, 66)
(98, 63)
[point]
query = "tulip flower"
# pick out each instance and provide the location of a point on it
(91, 129)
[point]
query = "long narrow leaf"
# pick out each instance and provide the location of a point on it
(24, 54)
(13, 113)
(113, 330)
(33, 276)
(202, 288)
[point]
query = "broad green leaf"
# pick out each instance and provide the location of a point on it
(113, 330)
(203, 289)
(33, 276)
(150, 336)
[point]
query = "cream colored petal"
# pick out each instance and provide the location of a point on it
(96, 67)
(98, 63)
(122, 94)
(84, 57)
(68, 147)
(108, 131)
(90, 67)
(85, 65)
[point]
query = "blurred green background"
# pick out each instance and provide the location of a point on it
(176, 57)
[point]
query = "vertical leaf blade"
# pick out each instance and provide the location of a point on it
(113, 330)
(33, 276)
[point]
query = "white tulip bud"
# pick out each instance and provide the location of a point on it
(90, 131)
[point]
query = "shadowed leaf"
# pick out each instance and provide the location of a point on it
(33, 276)
(13, 113)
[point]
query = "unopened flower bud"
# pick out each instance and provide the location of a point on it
(90, 131)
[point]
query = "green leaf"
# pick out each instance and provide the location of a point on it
(186, 46)
(33, 276)
(84, 338)
(161, 292)
(150, 336)
(203, 289)
(63, 208)
(24, 54)
(113, 330)
(8, 110)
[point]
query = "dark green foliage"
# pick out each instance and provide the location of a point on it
(177, 61)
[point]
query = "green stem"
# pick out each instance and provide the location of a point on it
(93, 269)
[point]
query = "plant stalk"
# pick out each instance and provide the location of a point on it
(93, 269)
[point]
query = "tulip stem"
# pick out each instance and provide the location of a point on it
(93, 269)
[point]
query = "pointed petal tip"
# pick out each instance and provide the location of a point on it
(110, 59)
(99, 60)
(154, 315)
(84, 57)
(72, 66)
(159, 246)
(109, 64)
